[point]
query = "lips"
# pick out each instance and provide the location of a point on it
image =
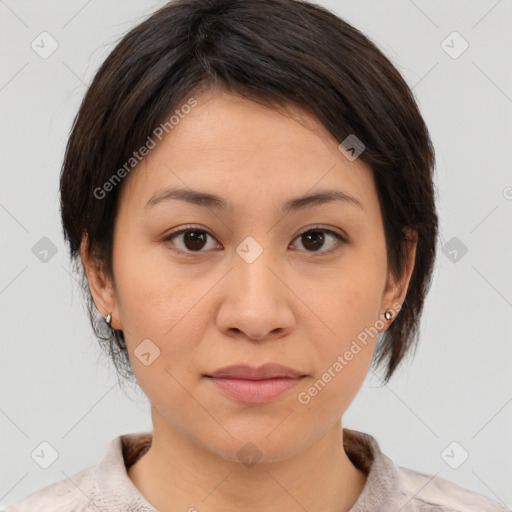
(255, 385)
(246, 372)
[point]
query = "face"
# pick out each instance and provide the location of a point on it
(250, 278)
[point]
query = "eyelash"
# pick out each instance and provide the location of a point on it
(341, 239)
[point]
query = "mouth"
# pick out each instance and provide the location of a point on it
(248, 372)
(255, 386)
(255, 392)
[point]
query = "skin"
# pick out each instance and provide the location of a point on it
(207, 309)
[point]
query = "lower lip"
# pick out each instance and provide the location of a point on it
(255, 392)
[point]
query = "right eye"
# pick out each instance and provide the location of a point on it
(192, 239)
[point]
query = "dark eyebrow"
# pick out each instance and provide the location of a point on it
(217, 203)
(319, 198)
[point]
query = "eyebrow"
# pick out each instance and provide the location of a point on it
(215, 202)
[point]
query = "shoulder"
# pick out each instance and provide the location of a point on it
(105, 486)
(393, 488)
(431, 493)
(74, 494)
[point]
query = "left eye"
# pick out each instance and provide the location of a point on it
(315, 239)
(194, 240)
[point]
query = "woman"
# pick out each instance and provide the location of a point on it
(248, 187)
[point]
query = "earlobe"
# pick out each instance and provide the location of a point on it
(100, 286)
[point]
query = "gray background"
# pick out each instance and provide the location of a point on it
(57, 386)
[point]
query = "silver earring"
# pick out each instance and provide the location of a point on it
(388, 315)
(108, 319)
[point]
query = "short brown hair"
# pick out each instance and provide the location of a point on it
(277, 53)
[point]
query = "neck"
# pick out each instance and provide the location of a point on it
(178, 474)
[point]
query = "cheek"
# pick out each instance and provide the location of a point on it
(160, 308)
(159, 302)
(349, 308)
(344, 355)
(146, 288)
(351, 302)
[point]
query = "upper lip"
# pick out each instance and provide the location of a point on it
(267, 371)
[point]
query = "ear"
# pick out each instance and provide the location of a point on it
(396, 290)
(101, 287)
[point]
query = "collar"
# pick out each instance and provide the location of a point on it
(118, 492)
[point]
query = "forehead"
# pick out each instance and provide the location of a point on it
(237, 148)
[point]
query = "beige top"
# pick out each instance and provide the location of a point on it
(107, 487)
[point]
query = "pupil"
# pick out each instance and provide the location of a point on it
(196, 239)
(315, 235)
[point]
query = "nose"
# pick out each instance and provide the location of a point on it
(256, 301)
